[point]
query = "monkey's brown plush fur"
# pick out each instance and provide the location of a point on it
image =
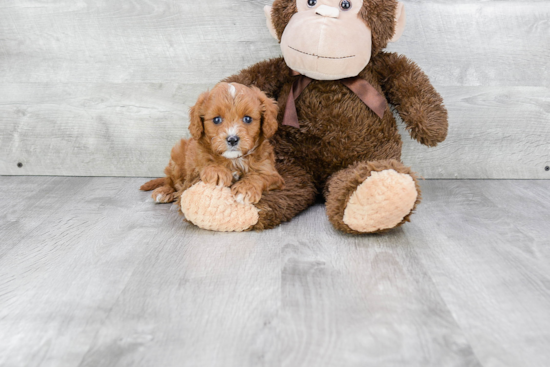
(342, 149)
(338, 130)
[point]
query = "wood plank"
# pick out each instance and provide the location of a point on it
(361, 301)
(199, 298)
(485, 245)
(92, 130)
(24, 203)
(230, 304)
(102, 88)
(57, 284)
(111, 279)
(495, 133)
(124, 130)
(63, 41)
(120, 281)
(478, 43)
(458, 43)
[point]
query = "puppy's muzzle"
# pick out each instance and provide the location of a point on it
(232, 140)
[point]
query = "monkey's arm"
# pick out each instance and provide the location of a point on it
(269, 76)
(414, 97)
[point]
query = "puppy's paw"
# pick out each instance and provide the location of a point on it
(163, 195)
(218, 176)
(246, 193)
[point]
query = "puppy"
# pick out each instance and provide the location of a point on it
(230, 127)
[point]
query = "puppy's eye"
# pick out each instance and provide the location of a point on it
(311, 3)
(247, 120)
(217, 120)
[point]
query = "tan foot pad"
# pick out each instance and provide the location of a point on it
(381, 202)
(214, 208)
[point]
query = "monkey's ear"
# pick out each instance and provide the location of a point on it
(269, 21)
(400, 21)
(269, 114)
(196, 127)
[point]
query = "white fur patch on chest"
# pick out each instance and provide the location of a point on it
(232, 154)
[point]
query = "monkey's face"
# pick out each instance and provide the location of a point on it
(321, 40)
(329, 39)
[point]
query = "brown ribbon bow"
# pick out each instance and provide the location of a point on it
(363, 89)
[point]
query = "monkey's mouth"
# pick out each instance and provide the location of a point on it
(321, 57)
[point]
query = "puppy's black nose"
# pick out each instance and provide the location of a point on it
(232, 140)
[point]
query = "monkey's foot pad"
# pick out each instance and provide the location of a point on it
(214, 208)
(381, 202)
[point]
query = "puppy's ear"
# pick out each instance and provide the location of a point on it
(269, 114)
(196, 120)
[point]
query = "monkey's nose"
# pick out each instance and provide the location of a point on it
(232, 140)
(328, 11)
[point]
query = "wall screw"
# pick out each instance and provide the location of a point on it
(547, 168)
(21, 165)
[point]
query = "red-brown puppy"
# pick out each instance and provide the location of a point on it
(230, 128)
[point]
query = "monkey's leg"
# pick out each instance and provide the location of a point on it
(371, 197)
(214, 208)
(280, 206)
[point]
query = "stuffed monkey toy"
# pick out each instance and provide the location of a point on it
(337, 136)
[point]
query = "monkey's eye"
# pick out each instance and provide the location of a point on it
(345, 5)
(247, 120)
(311, 3)
(217, 120)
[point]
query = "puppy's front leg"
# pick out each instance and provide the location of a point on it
(216, 175)
(248, 190)
(251, 187)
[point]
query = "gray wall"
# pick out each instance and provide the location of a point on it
(102, 87)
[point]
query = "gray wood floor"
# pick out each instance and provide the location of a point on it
(91, 274)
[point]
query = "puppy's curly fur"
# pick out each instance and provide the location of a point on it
(230, 128)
